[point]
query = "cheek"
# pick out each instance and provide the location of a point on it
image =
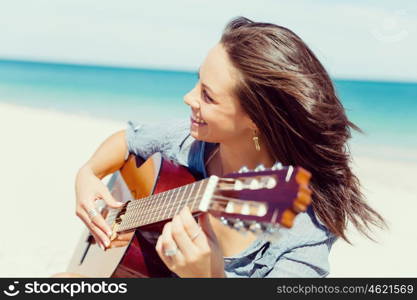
(225, 122)
(218, 117)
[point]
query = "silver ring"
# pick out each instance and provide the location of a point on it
(195, 235)
(171, 252)
(92, 213)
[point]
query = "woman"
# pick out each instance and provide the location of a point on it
(262, 97)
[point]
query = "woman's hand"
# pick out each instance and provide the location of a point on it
(188, 249)
(88, 189)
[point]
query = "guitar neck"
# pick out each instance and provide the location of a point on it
(163, 206)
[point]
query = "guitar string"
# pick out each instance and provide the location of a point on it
(138, 223)
(162, 195)
(183, 194)
(150, 220)
(135, 205)
(172, 204)
(155, 197)
(162, 198)
(155, 214)
(140, 219)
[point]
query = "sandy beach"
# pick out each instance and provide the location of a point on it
(42, 151)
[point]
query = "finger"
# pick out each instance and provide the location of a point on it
(193, 230)
(109, 199)
(204, 221)
(121, 239)
(98, 220)
(168, 243)
(182, 239)
(159, 250)
(98, 234)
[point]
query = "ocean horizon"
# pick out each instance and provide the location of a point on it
(386, 111)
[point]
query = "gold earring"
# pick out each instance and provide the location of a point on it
(256, 141)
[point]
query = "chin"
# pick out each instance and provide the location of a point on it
(199, 138)
(196, 136)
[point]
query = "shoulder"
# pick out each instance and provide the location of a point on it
(171, 138)
(167, 136)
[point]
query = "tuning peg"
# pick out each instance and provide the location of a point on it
(268, 182)
(230, 207)
(245, 209)
(277, 166)
(238, 185)
(254, 184)
(243, 169)
(255, 228)
(247, 224)
(224, 221)
(238, 225)
(260, 167)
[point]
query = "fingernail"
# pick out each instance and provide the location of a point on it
(109, 233)
(102, 247)
(107, 243)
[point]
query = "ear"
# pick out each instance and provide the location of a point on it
(253, 126)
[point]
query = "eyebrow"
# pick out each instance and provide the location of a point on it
(206, 86)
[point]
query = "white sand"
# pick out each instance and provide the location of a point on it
(41, 152)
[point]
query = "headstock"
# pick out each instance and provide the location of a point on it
(263, 199)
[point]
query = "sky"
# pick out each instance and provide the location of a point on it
(353, 39)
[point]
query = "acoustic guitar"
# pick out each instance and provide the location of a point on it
(154, 191)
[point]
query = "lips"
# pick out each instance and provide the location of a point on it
(197, 120)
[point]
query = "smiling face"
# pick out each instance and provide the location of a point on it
(212, 102)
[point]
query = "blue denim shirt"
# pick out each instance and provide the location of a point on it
(301, 251)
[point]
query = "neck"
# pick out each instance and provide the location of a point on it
(234, 156)
(160, 207)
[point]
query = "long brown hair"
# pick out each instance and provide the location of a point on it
(290, 97)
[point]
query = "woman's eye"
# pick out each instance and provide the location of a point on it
(206, 97)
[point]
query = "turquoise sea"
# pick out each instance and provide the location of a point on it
(386, 111)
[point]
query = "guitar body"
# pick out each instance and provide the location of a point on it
(132, 253)
(155, 190)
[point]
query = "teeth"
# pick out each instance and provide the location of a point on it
(198, 120)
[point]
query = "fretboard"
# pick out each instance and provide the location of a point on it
(162, 206)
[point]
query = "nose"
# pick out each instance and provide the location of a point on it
(191, 99)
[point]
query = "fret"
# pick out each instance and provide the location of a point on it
(166, 207)
(162, 206)
(178, 202)
(190, 196)
(152, 207)
(149, 209)
(187, 197)
(159, 203)
(136, 211)
(192, 208)
(130, 212)
(184, 199)
(172, 202)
